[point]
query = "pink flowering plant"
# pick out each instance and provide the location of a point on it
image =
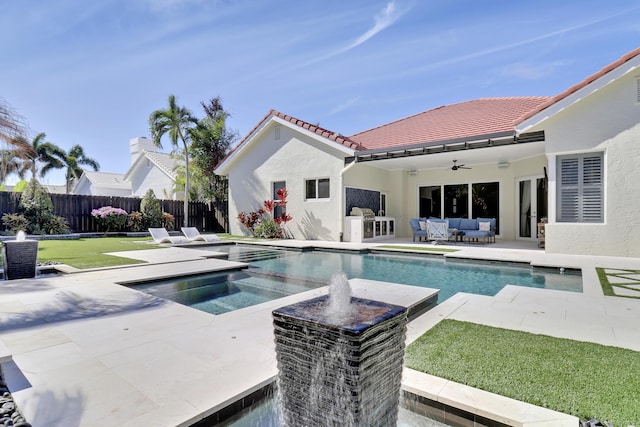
(263, 223)
(110, 218)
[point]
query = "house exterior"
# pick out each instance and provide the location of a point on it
(102, 184)
(570, 161)
(149, 169)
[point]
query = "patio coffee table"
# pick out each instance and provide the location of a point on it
(458, 234)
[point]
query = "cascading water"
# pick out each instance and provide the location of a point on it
(339, 359)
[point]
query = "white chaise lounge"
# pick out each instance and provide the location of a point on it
(193, 235)
(161, 235)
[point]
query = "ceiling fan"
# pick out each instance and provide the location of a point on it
(455, 166)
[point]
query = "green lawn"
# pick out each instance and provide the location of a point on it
(578, 378)
(89, 253)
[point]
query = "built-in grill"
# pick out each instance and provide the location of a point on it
(368, 217)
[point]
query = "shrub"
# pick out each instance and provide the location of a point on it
(15, 222)
(168, 221)
(135, 222)
(36, 213)
(57, 225)
(36, 207)
(150, 209)
(263, 223)
(110, 218)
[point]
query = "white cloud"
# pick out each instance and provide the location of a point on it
(347, 104)
(384, 19)
(531, 71)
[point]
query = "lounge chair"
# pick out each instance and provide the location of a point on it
(161, 235)
(438, 230)
(193, 235)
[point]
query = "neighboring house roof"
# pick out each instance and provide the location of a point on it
(105, 180)
(584, 83)
(165, 162)
(466, 119)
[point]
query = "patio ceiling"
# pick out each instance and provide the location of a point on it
(486, 149)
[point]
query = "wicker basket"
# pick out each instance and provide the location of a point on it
(19, 257)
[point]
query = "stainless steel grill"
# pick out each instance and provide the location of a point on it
(368, 218)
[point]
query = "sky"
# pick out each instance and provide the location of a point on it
(91, 72)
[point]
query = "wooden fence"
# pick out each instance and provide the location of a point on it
(207, 217)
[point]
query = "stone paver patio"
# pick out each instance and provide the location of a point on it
(87, 351)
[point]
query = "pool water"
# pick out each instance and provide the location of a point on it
(275, 273)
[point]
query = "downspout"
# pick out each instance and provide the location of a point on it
(343, 195)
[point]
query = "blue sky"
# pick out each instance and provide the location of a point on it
(91, 72)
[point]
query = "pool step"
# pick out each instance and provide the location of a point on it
(258, 255)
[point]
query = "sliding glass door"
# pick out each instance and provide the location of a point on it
(470, 200)
(532, 206)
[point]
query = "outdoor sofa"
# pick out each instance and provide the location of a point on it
(467, 229)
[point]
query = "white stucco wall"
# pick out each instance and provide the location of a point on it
(608, 121)
(293, 158)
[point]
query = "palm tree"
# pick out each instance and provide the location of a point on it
(176, 122)
(11, 123)
(39, 151)
(11, 162)
(74, 159)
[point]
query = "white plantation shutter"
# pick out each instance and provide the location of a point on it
(581, 188)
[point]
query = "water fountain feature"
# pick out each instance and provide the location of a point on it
(339, 359)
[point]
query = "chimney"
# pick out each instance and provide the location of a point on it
(138, 145)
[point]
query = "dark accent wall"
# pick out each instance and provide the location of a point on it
(357, 197)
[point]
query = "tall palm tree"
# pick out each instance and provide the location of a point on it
(11, 123)
(176, 122)
(74, 161)
(39, 151)
(11, 162)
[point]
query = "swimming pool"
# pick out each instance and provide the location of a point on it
(275, 273)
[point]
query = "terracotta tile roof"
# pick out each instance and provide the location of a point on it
(334, 136)
(340, 139)
(629, 56)
(465, 119)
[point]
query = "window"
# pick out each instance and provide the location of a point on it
(317, 188)
(456, 201)
(278, 210)
(581, 188)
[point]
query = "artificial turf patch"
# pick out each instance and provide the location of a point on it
(623, 283)
(583, 379)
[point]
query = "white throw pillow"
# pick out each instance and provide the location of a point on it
(423, 225)
(484, 226)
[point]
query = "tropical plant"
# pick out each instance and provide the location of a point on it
(57, 225)
(176, 122)
(10, 163)
(37, 152)
(15, 222)
(74, 160)
(110, 218)
(210, 142)
(11, 123)
(263, 223)
(135, 222)
(150, 209)
(168, 221)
